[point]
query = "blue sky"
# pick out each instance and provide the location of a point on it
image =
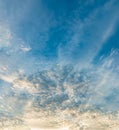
(64, 30)
(53, 47)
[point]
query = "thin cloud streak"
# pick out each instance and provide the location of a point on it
(90, 35)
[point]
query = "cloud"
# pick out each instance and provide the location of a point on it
(53, 96)
(5, 35)
(71, 120)
(25, 49)
(29, 85)
(86, 37)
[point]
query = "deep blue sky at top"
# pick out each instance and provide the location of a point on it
(71, 30)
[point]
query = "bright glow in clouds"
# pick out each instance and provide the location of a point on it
(64, 128)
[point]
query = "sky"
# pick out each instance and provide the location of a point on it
(58, 56)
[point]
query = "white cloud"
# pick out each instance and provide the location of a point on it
(25, 49)
(71, 120)
(61, 128)
(5, 35)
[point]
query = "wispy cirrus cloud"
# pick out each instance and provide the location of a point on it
(5, 35)
(90, 34)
